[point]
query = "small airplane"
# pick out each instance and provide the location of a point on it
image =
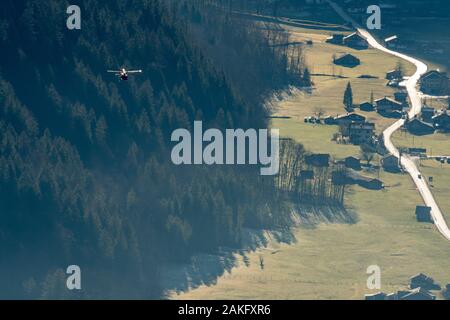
(123, 73)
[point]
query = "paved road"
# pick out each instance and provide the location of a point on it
(416, 106)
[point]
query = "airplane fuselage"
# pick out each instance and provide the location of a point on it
(123, 75)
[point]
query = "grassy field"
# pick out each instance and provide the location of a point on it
(315, 138)
(329, 260)
(441, 183)
(437, 144)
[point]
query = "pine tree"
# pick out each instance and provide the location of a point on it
(348, 97)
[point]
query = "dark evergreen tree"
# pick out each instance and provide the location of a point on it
(348, 97)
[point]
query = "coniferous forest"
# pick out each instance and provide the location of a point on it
(85, 170)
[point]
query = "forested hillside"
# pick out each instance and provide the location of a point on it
(236, 44)
(85, 173)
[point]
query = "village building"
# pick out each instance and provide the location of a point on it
(428, 113)
(318, 160)
(402, 293)
(370, 183)
(423, 214)
(394, 83)
(366, 106)
(419, 289)
(417, 152)
(351, 177)
(446, 292)
(393, 74)
(419, 127)
(396, 114)
(352, 163)
(387, 105)
(415, 294)
(418, 294)
(337, 39)
(347, 60)
(355, 41)
(442, 121)
(360, 133)
(423, 281)
(392, 296)
(401, 96)
(375, 297)
(391, 163)
(348, 118)
(329, 120)
(434, 82)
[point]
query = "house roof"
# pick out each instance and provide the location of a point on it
(386, 99)
(441, 115)
(420, 276)
(376, 296)
(354, 35)
(420, 122)
(390, 156)
(434, 73)
(418, 294)
(347, 56)
(343, 55)
(358, 177)
(421, 210)
(350, 116)
(402, 293)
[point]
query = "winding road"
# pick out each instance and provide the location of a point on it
(416, 107)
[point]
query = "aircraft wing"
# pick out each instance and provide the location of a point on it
(135, 71)
(113, 71)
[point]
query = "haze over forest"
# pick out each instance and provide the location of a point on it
(85, 173)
